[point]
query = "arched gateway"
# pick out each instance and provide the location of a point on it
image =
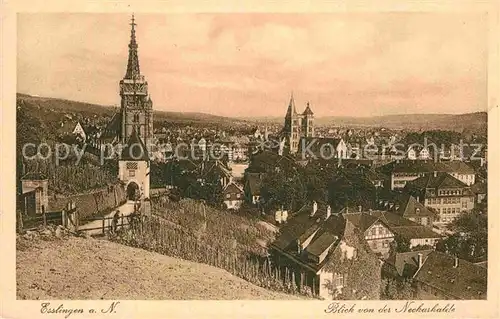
(133, 191)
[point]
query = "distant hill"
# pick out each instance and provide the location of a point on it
(68, 106)
(470, 121)
(475, 122)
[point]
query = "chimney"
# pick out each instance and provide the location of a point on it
(420, 260)
(314, 209)
(360, 208)
(328, 212)
(418, 198)
(455, 264)
(435, 174)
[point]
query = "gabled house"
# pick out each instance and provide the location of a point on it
(311, 242)
(444, 193)
(404, 265)
(380, 228)
(408, 207)
(462, 171)
(211, 171)
(404, 171)
(323, 148)
(444, 277)
(79, 131)
(377, 234)
(233, 196)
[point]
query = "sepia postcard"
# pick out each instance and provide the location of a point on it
(277, 160)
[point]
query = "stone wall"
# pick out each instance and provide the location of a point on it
(92, 203)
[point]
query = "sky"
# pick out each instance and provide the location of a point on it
(344, 64)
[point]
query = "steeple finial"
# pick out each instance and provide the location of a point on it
(133, 70)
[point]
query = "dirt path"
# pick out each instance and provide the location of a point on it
(125, 210)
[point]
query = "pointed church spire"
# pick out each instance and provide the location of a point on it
(133, 70)
(291, 107)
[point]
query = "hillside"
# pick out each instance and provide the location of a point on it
(78, 268)
(475, 122)
(94, 110)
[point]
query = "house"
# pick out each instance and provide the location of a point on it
(233, 196)
(444, 277)
(444, 193)
(403, 265)
(380, 228)
(322, 148)
(311, 243)
(252, 187)
(79, 131)
(408, 207)
(211, 171)
(401, 172)
(480, 190)
(34, 195)
(376, 233)
(462, 171)
(414, 233)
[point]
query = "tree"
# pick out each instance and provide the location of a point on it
(470, 238)
(393, 289)
(399, 245)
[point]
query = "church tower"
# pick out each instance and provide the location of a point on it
(297, 126)
(136, 105)
(291, 128)
(308, 122)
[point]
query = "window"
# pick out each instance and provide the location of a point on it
(228, 195)
(131, 173)
(374, 245)
(385, 244)
(464, 204)
(339, 280)
(238, 195)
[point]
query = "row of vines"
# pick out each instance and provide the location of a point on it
(71, 179)
(157, 235)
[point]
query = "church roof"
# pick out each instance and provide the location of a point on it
(291, 107)
(134, 150)
(308, 110)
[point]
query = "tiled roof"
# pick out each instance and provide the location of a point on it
(479, 188)
(466, 281)
(460, 167)
(314, 144)
(254, 183)
(232, 188)
(114, 127)
(362, 221)
(414, 166)
(308, 110)
(35, 176)
(326, 233)
(406, 264)
(134, 150)
(408, 207)
(442, 180)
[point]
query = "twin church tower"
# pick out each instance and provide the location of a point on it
(297, 126)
